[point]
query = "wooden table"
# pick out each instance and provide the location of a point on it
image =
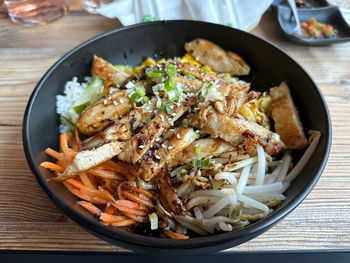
(30, 221)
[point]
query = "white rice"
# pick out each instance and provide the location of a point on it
(64, 103)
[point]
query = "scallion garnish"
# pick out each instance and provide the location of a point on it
(189, 75)
(140, 91)
(171, 70)
(154, 73)
(166, 107)
(201, 163)
(153, 219)
(185, 125)
(198, 150)
(183, 171)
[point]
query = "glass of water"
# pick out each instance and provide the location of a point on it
(36, 12)
(91, 5)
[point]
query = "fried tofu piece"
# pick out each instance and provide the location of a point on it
(286, 118)
(159, 156)
(236, 131)
(207, 146)
(104, 112)
(85, 160)
(215, 57)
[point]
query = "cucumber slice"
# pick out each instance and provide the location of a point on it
(91, 94)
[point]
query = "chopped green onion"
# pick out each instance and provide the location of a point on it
(201, 163)
(166, 107)
(137, 78)
(198, 150)
(145, 99)
(133, 97)
(154, 73)
(141, 92)
(203, 71)
(206, 162)
(153, 219)
(169, 84)
(171, 70)
(183, 171)
(184, 125)
(194, 136)
(189, 75)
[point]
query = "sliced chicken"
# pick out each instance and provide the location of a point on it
(102, 113)
(116, 132)
(207, 147)
(106, 70)
(85, 160)
(239, 66)
(138, 145)
(160, 155)
(286, 118)
(227, 98)
(168, 194)
(189, 85)
(237, 131)
(215, 57)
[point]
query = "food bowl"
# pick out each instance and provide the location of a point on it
(128, 45)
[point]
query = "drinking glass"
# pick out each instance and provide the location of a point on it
(36, 12)
(91, 5)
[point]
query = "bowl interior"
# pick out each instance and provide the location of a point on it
(131, 45)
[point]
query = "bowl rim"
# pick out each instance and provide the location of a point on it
(210, 243)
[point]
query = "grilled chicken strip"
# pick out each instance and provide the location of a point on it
(286, 118)
(113, 133)
(102, 113)
(123, 127)
(160, 155)
(207, 146)
(215, 57)
(107, 71)
(168, 194)
(237, 131)
(138, 145)
(229, 98)
(85, 160)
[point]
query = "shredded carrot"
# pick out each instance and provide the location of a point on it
(91, 208)
(111, 209)
(138, 199)
(54, 154)
(76, 140)
(174, 235)
(64, 143)
(128, 204)
(138, 190)
(52, 166)
(86, 180)
(132, 211)
(127, 222)
(140, 219)
(119, 190)
(105, 174)
(111, 218)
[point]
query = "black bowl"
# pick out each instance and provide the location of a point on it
(129, 45)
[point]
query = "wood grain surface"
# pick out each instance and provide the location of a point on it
(30, 221)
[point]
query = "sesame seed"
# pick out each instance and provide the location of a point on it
(170, 147)
(157, 157)
(141, 146)
(121, 100)
(178, 136)
(104, 102)
(114, 102)
(163, 145)
(158, 139)
(162, 117)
